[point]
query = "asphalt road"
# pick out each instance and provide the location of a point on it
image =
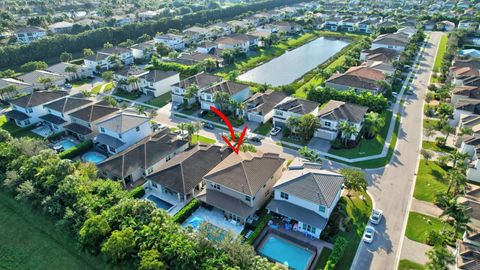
(392, 187)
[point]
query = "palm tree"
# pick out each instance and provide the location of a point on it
(457, 180)
(46, 81)
(447, 130)
(210, 64)
(140, 109)
(221, 98)
(72, 69)
(190, 128)
(308, 124)
(373, 123)
(293, 124)
(309, 154)
(132, 80)
(190, 92)
(348, 130)
(439, 258)
(110, 101)
(429, 132)
(457, 213)
(457, 157)
(88, 52)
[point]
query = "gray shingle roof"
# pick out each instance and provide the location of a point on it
(67, 104)
(299, 106)
(227, 86)
(17, 115)
(202, 80)
(158, 75)
(314, 185)
(123, 121)
(34, 76)
(109, 140)
(297, 213)
(342, 111)
(263, 103)
(93, 112)
(38, 98)
(186, 170)
(225, 202)
(53, 119)
(79, 129)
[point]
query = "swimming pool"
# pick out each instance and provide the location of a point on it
(66, 144)
(195, 222)
(214, 233)
(286, 252)
(159, 202)
(93, 157)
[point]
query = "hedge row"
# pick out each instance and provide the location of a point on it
(261, 225)
(337, 252)
(137, 192)
(186, 211)
(76, 150)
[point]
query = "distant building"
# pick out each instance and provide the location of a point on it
(29, 34)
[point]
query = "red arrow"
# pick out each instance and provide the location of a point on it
(232, 132)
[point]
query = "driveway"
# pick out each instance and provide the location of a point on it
(392, 187)
(319, 144)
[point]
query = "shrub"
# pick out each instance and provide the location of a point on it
(261, 225)
(137, 192)
(77, 150)
(337, 252)
(55, 137)
(186, 211)
(435, 238)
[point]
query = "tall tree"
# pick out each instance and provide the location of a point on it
(221, 98)
(457, 181)
(46, 81)
(66, 57)
(107, 76)
(88, 52)
(348, 130)
(354, 180)
(439, 258)
(373, 123)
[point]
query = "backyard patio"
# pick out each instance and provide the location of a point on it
(214, 217)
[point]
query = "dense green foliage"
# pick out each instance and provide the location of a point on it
(77, 149)
(49, 47)
(137, 192)
(337, 252)
(376, 103)
(186, 211)
(264, 218)
(129, 233)
(172, 66)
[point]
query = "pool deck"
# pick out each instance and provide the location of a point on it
(173, 200)
(215, 217)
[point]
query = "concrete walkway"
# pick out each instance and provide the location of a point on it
(426, 208)
(414, 251)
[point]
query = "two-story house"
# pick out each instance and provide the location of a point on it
(156, 82)
(396, 41)
(335, 112)
(20, 87)
(259, 107)
(121, 130)
(293, 107)
(143, 50)
(58, 111)
(34, 78)
(307, 195)
(468, 249)
(195, 34)
(29, 34)
(123, 78)
(63, 70)
(237, 91)
(83, 122)
(333, 24)
(201, 80)
(173, 41)
(182, 176)
(241, 184)
(28, 109)
(143, 158)
(104, 59)
(242, 42)
(60, 27)
(360, 78)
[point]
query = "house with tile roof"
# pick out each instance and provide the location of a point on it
(242, 42)
(237, 91)
(173, 41)
(335, 112)
(58, 111)
(102, 60)
(293, 107)
(83, 122)
(143, 158)
(182, 176)
(122, 130)
(360, 78)
(465, 107)
(465, 92)
(21, 87)
(29, 34)
(28, 109)
(34, 77)
(467, 254)
(395, 41)
(259, 107)
(201, 80)
(241, 184)
(306, 195)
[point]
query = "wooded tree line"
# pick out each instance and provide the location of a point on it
(50, 47)
(106, 220)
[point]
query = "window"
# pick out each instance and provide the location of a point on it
(328, 124)
(29, 110)
(149, 170)
(321, 208)
(284, 195)
(137, 129)
(279, 113)
(216, 186)
(308, 228)
(248, 198)
(120, 136)
(102, 130)
(154, 185)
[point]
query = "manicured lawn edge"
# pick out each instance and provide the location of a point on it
(186, 211)
(264, 218)
(199, 138)
(419, 225)
(409, 265)
(430, 180)
(77, 150)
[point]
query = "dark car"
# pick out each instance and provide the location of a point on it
(202, 113)
(208, 125)
(255, 139)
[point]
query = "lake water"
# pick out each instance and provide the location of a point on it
(293, 64)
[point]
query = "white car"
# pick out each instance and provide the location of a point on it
(275, 131)
(376, 216)
(368, 234)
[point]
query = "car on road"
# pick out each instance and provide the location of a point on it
(376, 216)
(368, 234)
(275, 131)
(207, 125)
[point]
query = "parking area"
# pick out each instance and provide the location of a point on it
(319, 144)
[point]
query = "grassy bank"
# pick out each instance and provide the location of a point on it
(31, 241)
(431, 179)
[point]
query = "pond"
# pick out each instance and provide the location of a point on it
(293, 64)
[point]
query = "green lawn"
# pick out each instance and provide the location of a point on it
(419, 225)
(128, 95)
(430, 123)
(15, 130)
(81, 82)
(160, 101)
(442, 48)
(358, 211)
(198, 138)
(300, 142)
(322, 258)
(409, 265)
(264, 128)
(430, 180)
(31, 241)
(366, 147)
(429, 145)
(95, 90)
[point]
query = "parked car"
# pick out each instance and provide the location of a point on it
(254, 138)
(208, 125)
(67, 86)
(376, 216)
(176, 106)
(275, 131)
(368, 234)
(202, 113)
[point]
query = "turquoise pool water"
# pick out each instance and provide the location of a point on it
(93, 157)
(285, 252)
(159, 202)
(195, 222)
(66, 144)
(214, 233)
